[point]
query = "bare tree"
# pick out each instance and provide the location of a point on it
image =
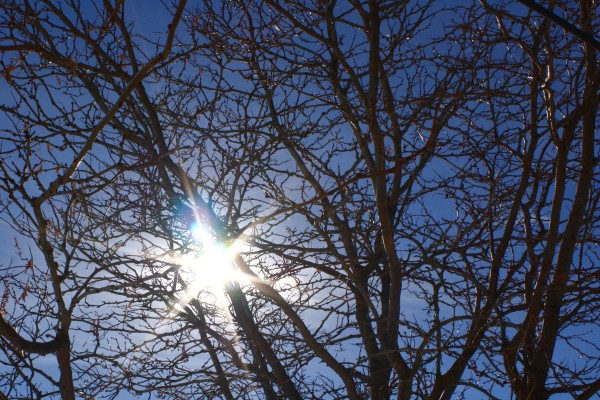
(60, 160)
(406, 192)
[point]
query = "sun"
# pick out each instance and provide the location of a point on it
(212, 265)
(208, 268)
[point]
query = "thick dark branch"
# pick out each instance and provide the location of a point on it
(19, 343)
(569, 27)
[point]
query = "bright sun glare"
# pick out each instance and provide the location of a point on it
(208, 268)
(212, 266)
